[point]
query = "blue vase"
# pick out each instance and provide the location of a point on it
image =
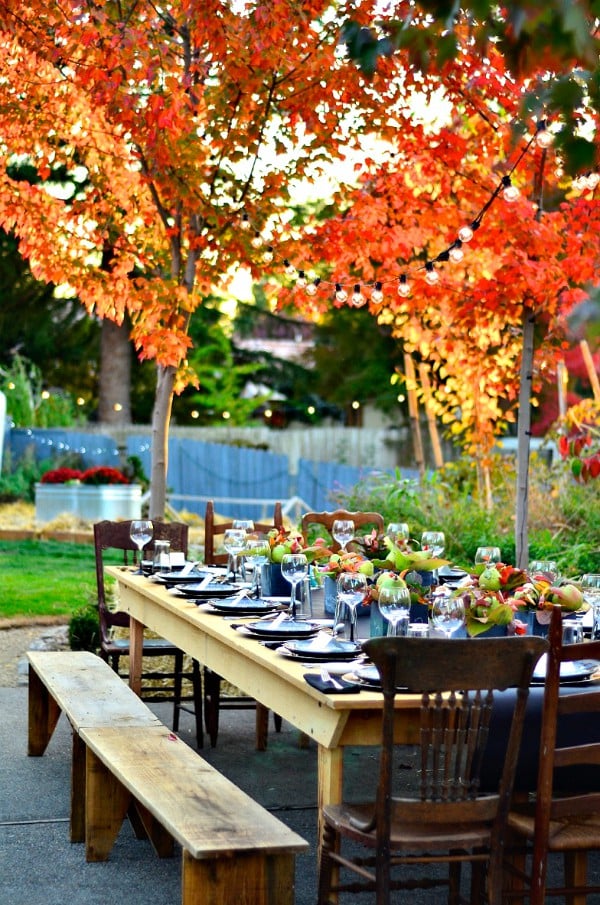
(273, 582)
(534, 627)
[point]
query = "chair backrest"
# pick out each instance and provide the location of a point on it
(212, 531)
(457, 679)
(326, 519)
(116, 536)
(566, 749)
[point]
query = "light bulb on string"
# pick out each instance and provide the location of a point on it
(455, 252)
(311, 289)
(340, 293)
(465, 234)
(256, 240)
(289, 268)
(268, 255)
(543, 137)
(245, 224)
(432, 276)
(377, 294)
(301, 281)
(358, 298)
(403, 287)
(592, 180)
(510, 192)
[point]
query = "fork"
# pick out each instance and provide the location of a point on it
(326, 677)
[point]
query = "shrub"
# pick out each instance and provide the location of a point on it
(84, 629)
(18, 482)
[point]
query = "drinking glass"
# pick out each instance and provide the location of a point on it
(447, 613)
(394, 605)
(435, 541)
(256, 549)
(590, 586)
(486, 555)
(351, 590)
(246, 525)
(233, 541)
(140, 532)
(546, 567)
(342, 531)
(294, 567)
(397, 532)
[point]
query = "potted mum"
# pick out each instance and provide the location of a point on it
(100, 492)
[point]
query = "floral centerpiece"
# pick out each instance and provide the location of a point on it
(100, 492)
(500, 595)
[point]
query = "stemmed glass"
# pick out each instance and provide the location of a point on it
(447, 613)
(351, 589)
(342, 531)
(394, 605)
(233, 541)
(590, 586)
(246, 525)
(294, 568)
(256, 549)
(140, 532)
(434, 541)
(487, 555)
(546, 567)
(397, 532)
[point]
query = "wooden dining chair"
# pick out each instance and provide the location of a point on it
(565, 816)
(326, 520)
(157, 684)
(445, 819)
(214, 700)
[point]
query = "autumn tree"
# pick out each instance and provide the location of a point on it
(184, 119)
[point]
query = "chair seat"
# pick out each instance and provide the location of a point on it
(565, 834)
(413, 837)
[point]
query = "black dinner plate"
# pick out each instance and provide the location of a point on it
(195, 589)
(367, 676)
(284, 630)
(335, 650)
(174, 577)
(570, 672)
(243, 606)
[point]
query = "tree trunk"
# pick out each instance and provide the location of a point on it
(524, 442)
(161, 416)
(114, 390)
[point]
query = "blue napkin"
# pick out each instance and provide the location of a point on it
(328, 687)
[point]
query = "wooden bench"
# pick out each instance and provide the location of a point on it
(90, 694)
(126, 763)
(233, 851)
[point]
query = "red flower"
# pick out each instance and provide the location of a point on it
(61, 476)
(103, 474)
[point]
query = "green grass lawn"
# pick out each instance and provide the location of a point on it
(45, 578)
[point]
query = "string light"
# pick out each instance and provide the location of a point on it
(466, 233)
(289, 268)
(403, 286)
(358, 298)
(301, 281)
(268, 255)
(510, 192)
(340, 294)
(455, 252)
(245, 224)
(543, 137)
(432, 276)
(256, 240)
(377, 294)
(312, 288)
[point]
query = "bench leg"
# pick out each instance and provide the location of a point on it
(77, 789)
(251, 879)
(106, 804)
(161, 839)
(43, 715)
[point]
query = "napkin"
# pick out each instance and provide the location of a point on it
(321, 641)
(328, 687)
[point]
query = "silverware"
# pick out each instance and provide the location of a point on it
(326, 677)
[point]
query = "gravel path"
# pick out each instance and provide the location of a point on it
(14, 644)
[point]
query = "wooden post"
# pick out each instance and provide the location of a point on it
(438, 458)
(562, 378)
(413, 411)
(524, 442)
(589, 365)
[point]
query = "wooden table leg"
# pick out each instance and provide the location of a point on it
(136, 647)
(330, 768)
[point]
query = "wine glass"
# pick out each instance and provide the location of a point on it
(435, 541)
(546, 567)
(351, 590)
(256, 549)
(246, 525)
(447, 613)
(394, 605)
(397, 532)
(233, 541)
(487, 555)
(140, 532)
(590, 586)
(294, 568)
(342, 531)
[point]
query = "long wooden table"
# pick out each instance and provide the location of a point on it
(333, 721)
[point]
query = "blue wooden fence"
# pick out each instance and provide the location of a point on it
(231, 475)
